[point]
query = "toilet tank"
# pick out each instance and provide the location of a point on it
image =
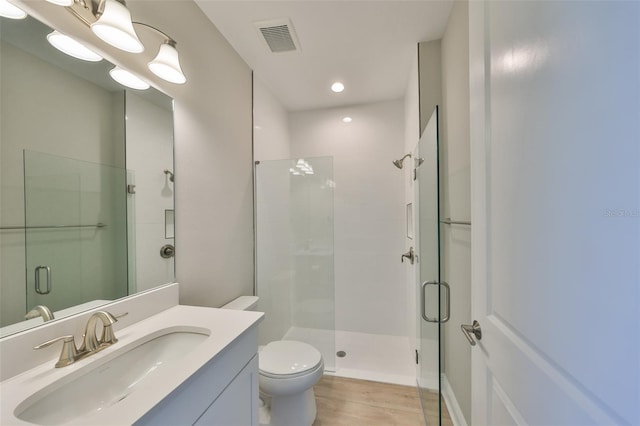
(242, 303)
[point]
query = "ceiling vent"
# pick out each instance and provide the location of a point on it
(279, 35)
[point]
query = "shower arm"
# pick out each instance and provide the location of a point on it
(398, 163)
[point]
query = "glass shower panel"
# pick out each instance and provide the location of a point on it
(428, 271)
(76, 231)
(294, 252)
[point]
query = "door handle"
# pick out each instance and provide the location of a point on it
(37, 279)
(472, 329)
(447, 294)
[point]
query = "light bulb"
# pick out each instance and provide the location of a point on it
(128, 79)
(166, 64)
(337, 87)
(115, 27)
(72, 47)
(10, 11)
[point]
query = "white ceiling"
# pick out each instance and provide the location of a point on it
(370, 46)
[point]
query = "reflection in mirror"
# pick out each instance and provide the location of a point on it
(83, 188)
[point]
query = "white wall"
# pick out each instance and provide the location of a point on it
(149, 147)
(456, 200)
(273, 218)
(430, 83)
(213, 156)
(271, 139)
(369, 209)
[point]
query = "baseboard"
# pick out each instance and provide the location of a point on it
(452, 403)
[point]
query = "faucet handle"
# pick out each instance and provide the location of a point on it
(108, 336)
(69, 350)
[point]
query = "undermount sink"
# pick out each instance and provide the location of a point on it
(94, 389)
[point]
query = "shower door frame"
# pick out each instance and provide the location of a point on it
(428, 270)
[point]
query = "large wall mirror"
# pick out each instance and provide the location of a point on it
(86, 182)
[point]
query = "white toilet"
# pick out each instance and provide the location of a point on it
(288, 372)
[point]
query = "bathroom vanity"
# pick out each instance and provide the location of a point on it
(183, 365)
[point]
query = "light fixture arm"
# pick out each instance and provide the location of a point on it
(168, 39)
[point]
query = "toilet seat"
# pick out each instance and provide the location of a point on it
(288, 359)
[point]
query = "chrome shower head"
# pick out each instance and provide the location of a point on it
(398, 163)
(419, 162)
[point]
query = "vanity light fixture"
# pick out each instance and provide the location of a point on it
(337, 87)
(114, 26)
(166, 64)
(128, 79)
(61, 2)
(8, 10)
(72, 47)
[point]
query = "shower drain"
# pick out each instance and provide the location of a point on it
(341, 354)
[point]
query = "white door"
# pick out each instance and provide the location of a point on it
(555, 125)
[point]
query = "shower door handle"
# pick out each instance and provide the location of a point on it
(37, 279)
(447, 295)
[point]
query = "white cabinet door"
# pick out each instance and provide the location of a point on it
(238, 403)
(555, 125)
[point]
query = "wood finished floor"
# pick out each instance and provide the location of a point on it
(349, 402)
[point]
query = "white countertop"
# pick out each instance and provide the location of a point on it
(224, 325)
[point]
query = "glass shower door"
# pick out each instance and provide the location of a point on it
(428, 288)
(294, 252)
(75, 231)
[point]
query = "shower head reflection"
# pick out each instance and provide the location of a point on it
(398, 163)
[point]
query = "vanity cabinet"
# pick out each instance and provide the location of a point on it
(224, 392)
(238, 403)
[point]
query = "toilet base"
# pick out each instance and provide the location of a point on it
(292, 410)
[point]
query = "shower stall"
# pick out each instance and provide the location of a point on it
(300, 245)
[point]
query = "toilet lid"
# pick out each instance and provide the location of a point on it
(286, 357)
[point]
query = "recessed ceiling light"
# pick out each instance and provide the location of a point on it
(347, 120)
(337, 87)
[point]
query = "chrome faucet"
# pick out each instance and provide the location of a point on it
(40, 311)
(90, 344)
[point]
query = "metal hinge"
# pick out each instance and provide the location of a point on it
(417, 357)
